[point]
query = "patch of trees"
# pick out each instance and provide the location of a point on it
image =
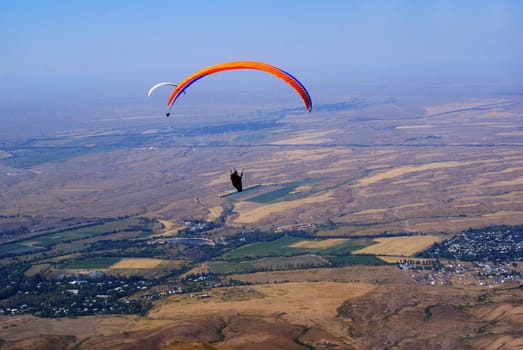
(356, 259)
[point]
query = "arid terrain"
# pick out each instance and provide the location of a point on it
(368, 170)
(388, 312)
(445, 168)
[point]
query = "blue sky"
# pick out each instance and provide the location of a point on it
(98, 38)
(52, 44)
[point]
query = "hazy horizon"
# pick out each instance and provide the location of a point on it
(63, 60)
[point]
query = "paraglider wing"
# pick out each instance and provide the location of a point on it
(288, 78)
(158, 85)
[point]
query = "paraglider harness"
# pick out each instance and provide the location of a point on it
(237, 180)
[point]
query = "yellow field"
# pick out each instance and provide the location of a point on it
(399, 246)
(326, 243)
(171, 228)
(409, 169)
(136, 263)
(305, 303)
(250, 212)
(397, 259)
(503, 213)
(214, 213)
(504, 171)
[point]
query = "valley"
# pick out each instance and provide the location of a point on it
(133, 238)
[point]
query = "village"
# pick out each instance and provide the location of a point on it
(487, 257)
(480, 258)
(77, 295)
(472, 274)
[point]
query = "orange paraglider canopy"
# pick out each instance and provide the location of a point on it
(288, 78)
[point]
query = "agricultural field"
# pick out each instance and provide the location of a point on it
(136, 263)
(112, 263)
(319, 183)
(400, 246)
(44, 240)
(291, 246)
(297, 302)
(90, 264)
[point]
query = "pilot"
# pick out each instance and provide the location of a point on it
(237, 180)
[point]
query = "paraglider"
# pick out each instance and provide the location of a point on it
(237, 180)
(157, 86)
(286, 77)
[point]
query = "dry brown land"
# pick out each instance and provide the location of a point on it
(306, 303)
(249, 213)
(214, 213)
(458, 165)
(347, 315)
(171, 227)
(462, 169)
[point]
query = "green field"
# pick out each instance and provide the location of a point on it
(16, 248)
(278, 247)
(281, 193)
(274, 196)
(282, 247)
(55, 237)
(90, 263)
